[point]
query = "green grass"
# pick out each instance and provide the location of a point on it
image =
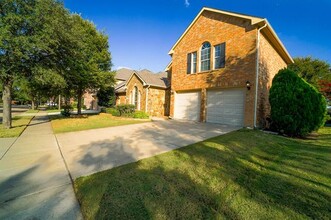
(53, 110)
(32, 111)
(61, 124)
(241, 175)
(19, 123)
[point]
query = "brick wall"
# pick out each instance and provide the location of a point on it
(270, 62)
(240, 39)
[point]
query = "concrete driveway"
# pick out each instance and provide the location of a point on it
(91, 151)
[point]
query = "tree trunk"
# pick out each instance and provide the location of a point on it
(59, 104)
(79, 103)
(6, 98)
(33, 106)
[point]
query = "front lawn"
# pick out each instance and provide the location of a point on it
(61, 124)
(19, 123)
(241, 175)
(32, 111)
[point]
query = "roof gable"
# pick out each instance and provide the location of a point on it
(255, 21)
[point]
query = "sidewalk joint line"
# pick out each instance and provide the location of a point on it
(17, 138)
(34, 193)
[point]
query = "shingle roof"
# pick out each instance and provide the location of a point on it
(159, 80)
(123, 74)
(120, 87)
(150, 78)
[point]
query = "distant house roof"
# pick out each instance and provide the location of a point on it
(148, 78)
(123, 74)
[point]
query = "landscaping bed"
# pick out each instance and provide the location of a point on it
(241, 175)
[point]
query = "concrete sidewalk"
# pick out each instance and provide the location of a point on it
(34, 182)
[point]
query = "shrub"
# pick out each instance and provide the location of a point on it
(297, 108)
(67, 109)
(125, 109)
(113, 111)
(140, 114)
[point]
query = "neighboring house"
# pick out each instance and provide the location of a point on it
(222, 69)
(90, 100)
(146, 90)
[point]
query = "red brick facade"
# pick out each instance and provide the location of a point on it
(240, 38)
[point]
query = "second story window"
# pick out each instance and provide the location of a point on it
(205, 56)
(192, 63)
(219, 56)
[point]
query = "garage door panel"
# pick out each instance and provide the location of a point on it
(187, 106)
(225, 107)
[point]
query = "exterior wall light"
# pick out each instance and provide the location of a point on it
(248, 85)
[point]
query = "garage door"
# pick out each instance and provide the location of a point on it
(187, 106)
(225, 107)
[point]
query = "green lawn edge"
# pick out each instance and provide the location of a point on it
(62, 124)
(19, 124)
(240, 175)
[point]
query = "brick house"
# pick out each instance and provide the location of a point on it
(148, 91)
(222, 69)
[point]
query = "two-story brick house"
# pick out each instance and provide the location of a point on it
(222, 69)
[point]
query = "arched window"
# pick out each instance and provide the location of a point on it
(135, 97)
(205, 56)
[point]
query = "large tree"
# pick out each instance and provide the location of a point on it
(312, 70)
(31, 35)
(91, 69)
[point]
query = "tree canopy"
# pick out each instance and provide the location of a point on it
(312, 70)
(51, 49)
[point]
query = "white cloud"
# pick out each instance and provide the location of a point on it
(187, 3)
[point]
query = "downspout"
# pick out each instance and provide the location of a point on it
(146, 101)
(257, 70)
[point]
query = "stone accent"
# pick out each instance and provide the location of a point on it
(157, 98)
(121, 98)
(240, 66)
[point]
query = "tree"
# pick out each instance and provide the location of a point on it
(106, 97)
(297, 108)
(29, 38)
(91, 69)
(312, 70)
(43, 83)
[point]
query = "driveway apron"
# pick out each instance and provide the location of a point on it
(34, 181)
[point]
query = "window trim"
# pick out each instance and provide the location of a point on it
(209, 57)
(191, 66)
(221, 56)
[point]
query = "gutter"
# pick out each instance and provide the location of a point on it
(257, 69)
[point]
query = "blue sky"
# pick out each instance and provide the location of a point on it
(141, 32)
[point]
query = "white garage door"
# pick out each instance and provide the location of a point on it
(187, 106)
(226, 107)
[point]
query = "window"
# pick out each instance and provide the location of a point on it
(136, 96)
(219, 56)
(192, 63)
(205, 57)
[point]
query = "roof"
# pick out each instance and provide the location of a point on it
(120, 87)
(123, 74)
(147, 77)
(150, 78)
(257, 21)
